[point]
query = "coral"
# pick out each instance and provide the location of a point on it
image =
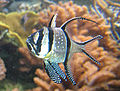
(69, 10)
(7, 36)
(88, 76)
(2, 69)
(28, 59)
(44, 82)
(110, 12)
(18, 29)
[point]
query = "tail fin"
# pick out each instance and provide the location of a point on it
(84, 43)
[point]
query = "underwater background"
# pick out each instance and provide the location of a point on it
(21, 71)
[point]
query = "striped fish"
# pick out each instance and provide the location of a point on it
(54, 46)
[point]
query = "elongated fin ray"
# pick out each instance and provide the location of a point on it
(51, 72)
(69, 73)
(58, 70)
(75, 18)
(52, 22)
(90, 57)
(96, 37)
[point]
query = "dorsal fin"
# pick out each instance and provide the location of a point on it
(75, 18)
(52, 22)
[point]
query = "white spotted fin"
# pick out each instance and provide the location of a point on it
(51, 72)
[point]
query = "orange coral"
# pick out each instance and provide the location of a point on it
(28, 60)
(87, 75)
(2, 69)
(68, 10)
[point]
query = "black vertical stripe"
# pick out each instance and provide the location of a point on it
(51, 21)
(30, 41)
(34, 49)
(68, 47)
(40, 40)
(67, 70)
(51, 34)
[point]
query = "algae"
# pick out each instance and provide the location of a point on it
(17, 31)
(8, 85)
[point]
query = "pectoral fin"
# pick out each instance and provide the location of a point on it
(51, 72)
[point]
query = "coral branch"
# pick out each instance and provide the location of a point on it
(2, 69)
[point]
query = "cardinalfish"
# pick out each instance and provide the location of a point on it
(54, 46)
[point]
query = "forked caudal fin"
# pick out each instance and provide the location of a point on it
(63, 26)
(83, 43)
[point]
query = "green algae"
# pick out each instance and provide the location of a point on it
(17, 31)
(13, 34)
(8, 85)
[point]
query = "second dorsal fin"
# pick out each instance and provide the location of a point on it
(52, 22)
(75, 18)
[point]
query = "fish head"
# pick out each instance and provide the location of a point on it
(38, 43)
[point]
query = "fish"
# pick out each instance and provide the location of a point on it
(54, 46)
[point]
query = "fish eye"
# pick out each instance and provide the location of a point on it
(29, 47)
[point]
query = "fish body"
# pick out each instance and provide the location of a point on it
(54, 46)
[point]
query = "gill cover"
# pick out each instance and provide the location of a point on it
(38, 42)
